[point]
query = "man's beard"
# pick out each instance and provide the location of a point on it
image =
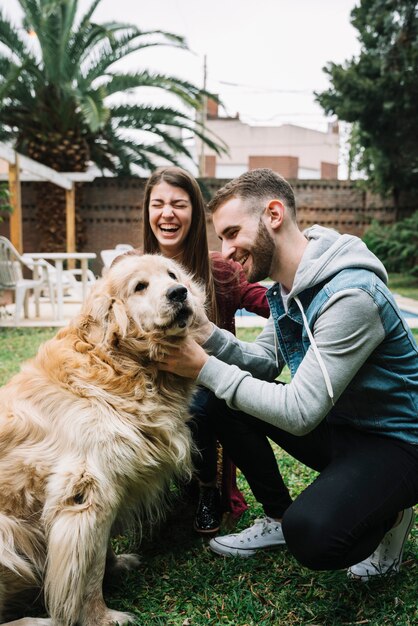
(262, 254)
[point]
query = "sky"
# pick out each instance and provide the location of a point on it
(263, 57)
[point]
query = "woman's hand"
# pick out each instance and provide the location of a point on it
(186, 360)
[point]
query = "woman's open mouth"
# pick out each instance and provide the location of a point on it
(169, 229)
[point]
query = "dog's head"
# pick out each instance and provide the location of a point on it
(157, 292)
(143, 295)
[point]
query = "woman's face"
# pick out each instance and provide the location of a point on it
(170, 217)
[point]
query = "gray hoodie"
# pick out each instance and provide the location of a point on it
(345, 333)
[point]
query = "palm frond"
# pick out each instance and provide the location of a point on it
(11, 38)
(5, 134)
(185, 91)
(94, 112)
(136, 114)
(165, 37)
(143, 155)
(85, 20)
(33, 10)
(67, 88)
(103, 52)
(151, 118)
(8, 78)
(96, 37)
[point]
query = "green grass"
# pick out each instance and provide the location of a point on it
(404, 285)
(182, 583)
(17, 345)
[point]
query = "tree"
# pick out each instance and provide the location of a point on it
(57, 96)
(378, 93)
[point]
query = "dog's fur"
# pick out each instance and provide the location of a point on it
(90, 429)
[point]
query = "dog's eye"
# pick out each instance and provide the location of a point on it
(141, 286)
(172, 275)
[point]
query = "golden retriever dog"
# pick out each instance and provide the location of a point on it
(90, 429)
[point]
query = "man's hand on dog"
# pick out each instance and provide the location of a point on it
(186, 360)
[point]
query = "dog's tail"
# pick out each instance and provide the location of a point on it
(78, 535)
(18, 538)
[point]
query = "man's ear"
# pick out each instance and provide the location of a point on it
(275, 211)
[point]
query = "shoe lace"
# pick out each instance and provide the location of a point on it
(385, 560)
(261, 526)
(380, 560)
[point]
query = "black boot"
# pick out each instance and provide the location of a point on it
(208, 513)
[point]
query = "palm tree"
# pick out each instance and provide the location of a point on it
(60, 95)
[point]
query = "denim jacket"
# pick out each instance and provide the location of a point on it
(382, 397)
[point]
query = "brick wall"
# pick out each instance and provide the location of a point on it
(212, 109)
(329, 170)
(286, 166)
(210, 165)
(111, 210)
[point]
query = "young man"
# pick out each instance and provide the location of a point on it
(351, 410)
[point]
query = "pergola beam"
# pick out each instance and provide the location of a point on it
(19, 163)
(16, 204)
(33, 167)
(70, 221)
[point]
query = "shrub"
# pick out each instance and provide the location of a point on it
(395, 245)
(4, 199)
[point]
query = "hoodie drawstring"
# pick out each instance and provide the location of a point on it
(316, 351)
(276, 349)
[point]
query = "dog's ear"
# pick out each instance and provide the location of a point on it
(121, 319)
(103, 319)
(98, 306)
(92, 323)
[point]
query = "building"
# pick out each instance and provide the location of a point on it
(292, 151)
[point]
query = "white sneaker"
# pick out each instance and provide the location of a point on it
(387, 558)
(264, 533)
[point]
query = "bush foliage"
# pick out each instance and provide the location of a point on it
(4, 200)
(396, 245)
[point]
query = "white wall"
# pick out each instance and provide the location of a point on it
(308, 145)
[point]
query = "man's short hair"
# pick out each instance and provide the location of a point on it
(260, 184)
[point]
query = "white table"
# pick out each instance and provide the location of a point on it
(58, 259)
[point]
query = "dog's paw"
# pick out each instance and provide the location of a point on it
(125, 563)
(116, 617)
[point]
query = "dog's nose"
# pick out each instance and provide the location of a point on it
(177, 293)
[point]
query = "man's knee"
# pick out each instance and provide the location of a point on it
(311, 539)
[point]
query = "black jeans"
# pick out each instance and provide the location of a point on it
(339, 520)
(204, 436)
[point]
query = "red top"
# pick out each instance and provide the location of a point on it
(234, 292)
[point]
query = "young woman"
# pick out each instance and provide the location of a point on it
(175, 226)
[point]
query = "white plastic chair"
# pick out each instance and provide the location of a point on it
(107, 256)
(12, 265)
(70, 284)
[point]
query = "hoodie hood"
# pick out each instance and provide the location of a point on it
(327, 253)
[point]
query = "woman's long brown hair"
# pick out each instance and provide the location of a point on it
(195, 256)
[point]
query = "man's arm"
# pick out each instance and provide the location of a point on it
(258, 357)
(346, 333)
